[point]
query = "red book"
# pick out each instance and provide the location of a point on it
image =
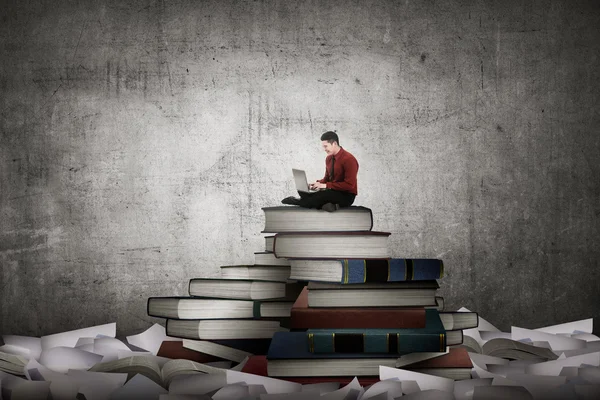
(304, 317)
(175, 350)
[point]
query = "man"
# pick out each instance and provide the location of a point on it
(338, 188)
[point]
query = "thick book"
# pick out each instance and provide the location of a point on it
(295, 345)
(223, 329)
(236, 288)
(268, 258)
(431, 338)
(269, 240)
(278, 273)
(207, 308)
(456, 364)
(331, 244)
(391, 294)
(348, 271)
(304, 317)
(257, 365)
(299, 219)
(286, 357)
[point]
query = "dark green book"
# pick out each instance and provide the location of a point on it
(432, 338)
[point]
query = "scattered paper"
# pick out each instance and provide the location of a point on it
(554, 367)
(70, 338)
(151, 338)
(425, 381)
(61, 359)
(555, 341)
(584, 325)
(272, 385)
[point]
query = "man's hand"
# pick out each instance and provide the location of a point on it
(317, 185)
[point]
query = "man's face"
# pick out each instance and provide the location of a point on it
(328, 147)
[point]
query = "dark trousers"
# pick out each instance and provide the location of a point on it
(318, 199)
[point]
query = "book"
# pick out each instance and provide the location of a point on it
(257, 365)
(299, 219)
(269, 240)
(222, 329)
(331, 244)
(304, 317)
(174, 349)
(287, 357)
(454, 320)
(254, 346)
(456, 364)
(216, 350)
(207, 308)
(392, 294)
(295, 345)
(236, 288)
(348, 271)
(268, 258)
(13, 363)
(508, 348)
(150, 368)
(430, 338)
(256, 272)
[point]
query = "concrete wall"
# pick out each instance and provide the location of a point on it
(140, 139)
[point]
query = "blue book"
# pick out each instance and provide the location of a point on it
(374, 270)
(294, 345)
(431, 338)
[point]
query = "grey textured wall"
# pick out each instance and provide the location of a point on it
(140, 139)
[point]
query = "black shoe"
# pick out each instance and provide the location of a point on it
(291, 200)
(330, 207)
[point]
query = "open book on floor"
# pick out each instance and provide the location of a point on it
(508, 348)
(150, 367)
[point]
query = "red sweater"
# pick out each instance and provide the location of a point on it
(345, 171)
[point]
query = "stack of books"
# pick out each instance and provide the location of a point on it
(362, 308)
(236, 315)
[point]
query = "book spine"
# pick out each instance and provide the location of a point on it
(256, 309)
(327, 341)
(390, 270)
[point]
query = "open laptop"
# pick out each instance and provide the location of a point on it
(301, 181)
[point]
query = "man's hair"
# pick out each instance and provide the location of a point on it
(331, 137)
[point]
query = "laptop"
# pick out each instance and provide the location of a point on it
(301, 181)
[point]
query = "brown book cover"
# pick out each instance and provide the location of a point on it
(174, 349)
(304, 317)
(457, 357)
